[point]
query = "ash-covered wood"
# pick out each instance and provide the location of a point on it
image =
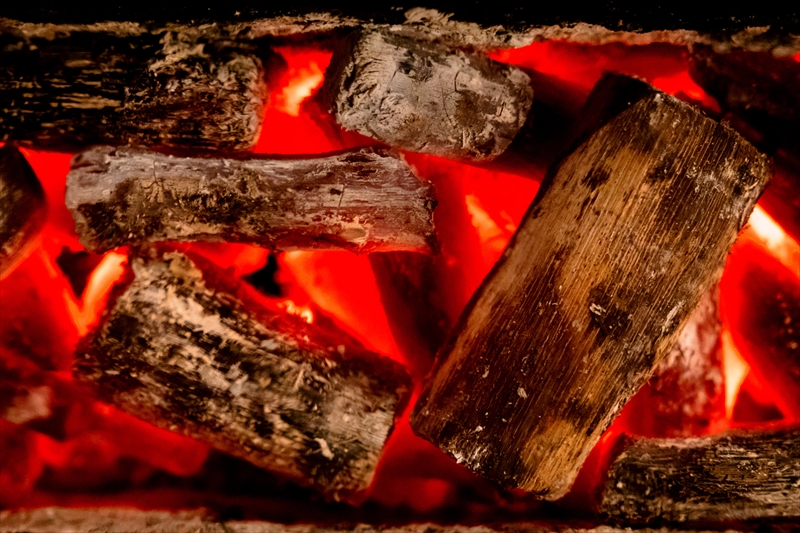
(62, 88)
(22, 207)
(426, 98)
(630, 229)
(686, 395)
(746, 81)
(126, 520)
(733, 476)
(195, 352)
(363, 200)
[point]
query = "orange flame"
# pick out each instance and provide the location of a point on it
(306, 72)
(779, 244)
(735, 370)
(292, 308)
(100, 283)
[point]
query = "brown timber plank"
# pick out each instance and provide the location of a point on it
(630, 229)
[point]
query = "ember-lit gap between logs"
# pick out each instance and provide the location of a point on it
(62, 447)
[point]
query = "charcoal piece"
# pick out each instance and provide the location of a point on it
(739, 475)
(426, 98)
(22, 207)
(629, 230)
(62, 88)
(362, 200)
(187, 348)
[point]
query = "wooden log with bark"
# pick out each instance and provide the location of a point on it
(686, 395)
(126, 520)
(22, 207)
(362, 200)
(426, 98)
(70, 86)
(187, 348)
(739, 475)
(628, 232)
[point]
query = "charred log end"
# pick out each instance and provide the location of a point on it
(197, 94)
(22, 207)
(426, 98)
(598, 263)
(193, 351)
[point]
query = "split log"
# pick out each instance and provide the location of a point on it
(199, 353)
(426, 98)
(629, 230)
(363, 200)
(686, 395)
(65, 87)
(22, 207)
(733, 476)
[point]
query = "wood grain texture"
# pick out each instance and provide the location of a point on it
(125, 520)
(629, 230)
(65, 87)
(195, 352)
(732, 476)
(426, 98)
(362, 200)
(22, 207)
(686, 395)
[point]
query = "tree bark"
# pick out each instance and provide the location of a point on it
(426, 98)
(733, 476)
(22, 207)
(363, 201)
(629, 230)
(62, 88)
(686, 395)
(190, 350)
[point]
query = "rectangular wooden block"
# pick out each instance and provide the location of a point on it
(630, 229)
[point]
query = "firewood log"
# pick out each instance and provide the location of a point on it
(64, 87)
(125, 520)
(733, 476)
(22, 207)
(686, 395)
(426, 98)
(187, 348)
(363, 200)
(628, 232)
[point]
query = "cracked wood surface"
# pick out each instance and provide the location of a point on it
(424, 97)
(22, 207)
(628, 232)
(63, 88)
(362, 200)
(739, 475)
(193, 351)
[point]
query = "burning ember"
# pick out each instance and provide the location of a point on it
(101, 327)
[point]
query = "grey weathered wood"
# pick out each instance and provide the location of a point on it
(126, 520)
(686, 395)
(739, 475)
(22, 207)
(363, 200)
(195, 352)
(64, 87)
(629, 230)
(426, 98)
